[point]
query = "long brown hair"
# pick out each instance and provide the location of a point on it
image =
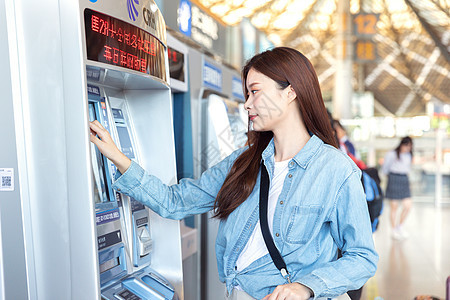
(286, 67)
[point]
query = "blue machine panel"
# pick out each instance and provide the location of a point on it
(212, 76)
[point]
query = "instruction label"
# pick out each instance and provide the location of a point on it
(6, 179)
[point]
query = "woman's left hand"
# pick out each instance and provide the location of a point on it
(290, 291)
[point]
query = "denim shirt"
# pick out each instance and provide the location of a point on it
(322, 207)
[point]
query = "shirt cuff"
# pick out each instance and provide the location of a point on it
(130, 179)
(314, 283)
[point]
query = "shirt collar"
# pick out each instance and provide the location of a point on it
(303, 157)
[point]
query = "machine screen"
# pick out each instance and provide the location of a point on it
(176, 64)
(100, 189)
(115, 42)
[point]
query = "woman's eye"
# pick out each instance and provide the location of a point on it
(253, 91)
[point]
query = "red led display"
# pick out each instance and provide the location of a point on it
(176, 64)
(113, 41)
(172, 55)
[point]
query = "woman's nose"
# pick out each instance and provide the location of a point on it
(247, 105)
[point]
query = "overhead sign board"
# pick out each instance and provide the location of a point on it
(364, 28)
(365, 24)
(197, 24)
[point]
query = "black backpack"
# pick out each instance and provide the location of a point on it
(374, 195)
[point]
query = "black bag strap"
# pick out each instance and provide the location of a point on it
(263, 202)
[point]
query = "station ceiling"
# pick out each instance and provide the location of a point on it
(412, 42)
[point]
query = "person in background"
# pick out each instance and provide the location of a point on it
(344, 143)
(397, 164)
(316, 203)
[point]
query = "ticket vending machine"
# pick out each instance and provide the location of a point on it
(74, 237)
(219, 125)
(224, 128)
(135, 107)
(123, 224)
(237, 114)
(179, 83)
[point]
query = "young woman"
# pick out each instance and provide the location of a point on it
(397, 164)
(316, 204)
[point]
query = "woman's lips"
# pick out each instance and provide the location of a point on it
(252, 117)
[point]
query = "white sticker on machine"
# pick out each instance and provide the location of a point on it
(6, 179)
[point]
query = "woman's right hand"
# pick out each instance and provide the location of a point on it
(290, 291)
(107, 147)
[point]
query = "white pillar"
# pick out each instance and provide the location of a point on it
(342, 93)
(372, 154)
(440, 133)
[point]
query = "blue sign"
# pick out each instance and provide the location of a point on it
(93, 91)
(212, 76)
(132, 11)
(185, 17)
(107, 216)
(236, 88)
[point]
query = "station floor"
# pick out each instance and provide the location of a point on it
(418, 265)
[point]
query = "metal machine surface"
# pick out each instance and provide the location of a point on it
(219, 126)
(136, 214)
(223, 132)
(79, 239)
(138, 103)
(181, 96)
(111, 247)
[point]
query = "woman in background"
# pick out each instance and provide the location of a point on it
(397, 164)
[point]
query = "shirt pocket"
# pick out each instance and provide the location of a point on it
(302, 223)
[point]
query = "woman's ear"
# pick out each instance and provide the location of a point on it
(292, 95)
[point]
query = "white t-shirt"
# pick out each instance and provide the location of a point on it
(256, 247)
(394, 165)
